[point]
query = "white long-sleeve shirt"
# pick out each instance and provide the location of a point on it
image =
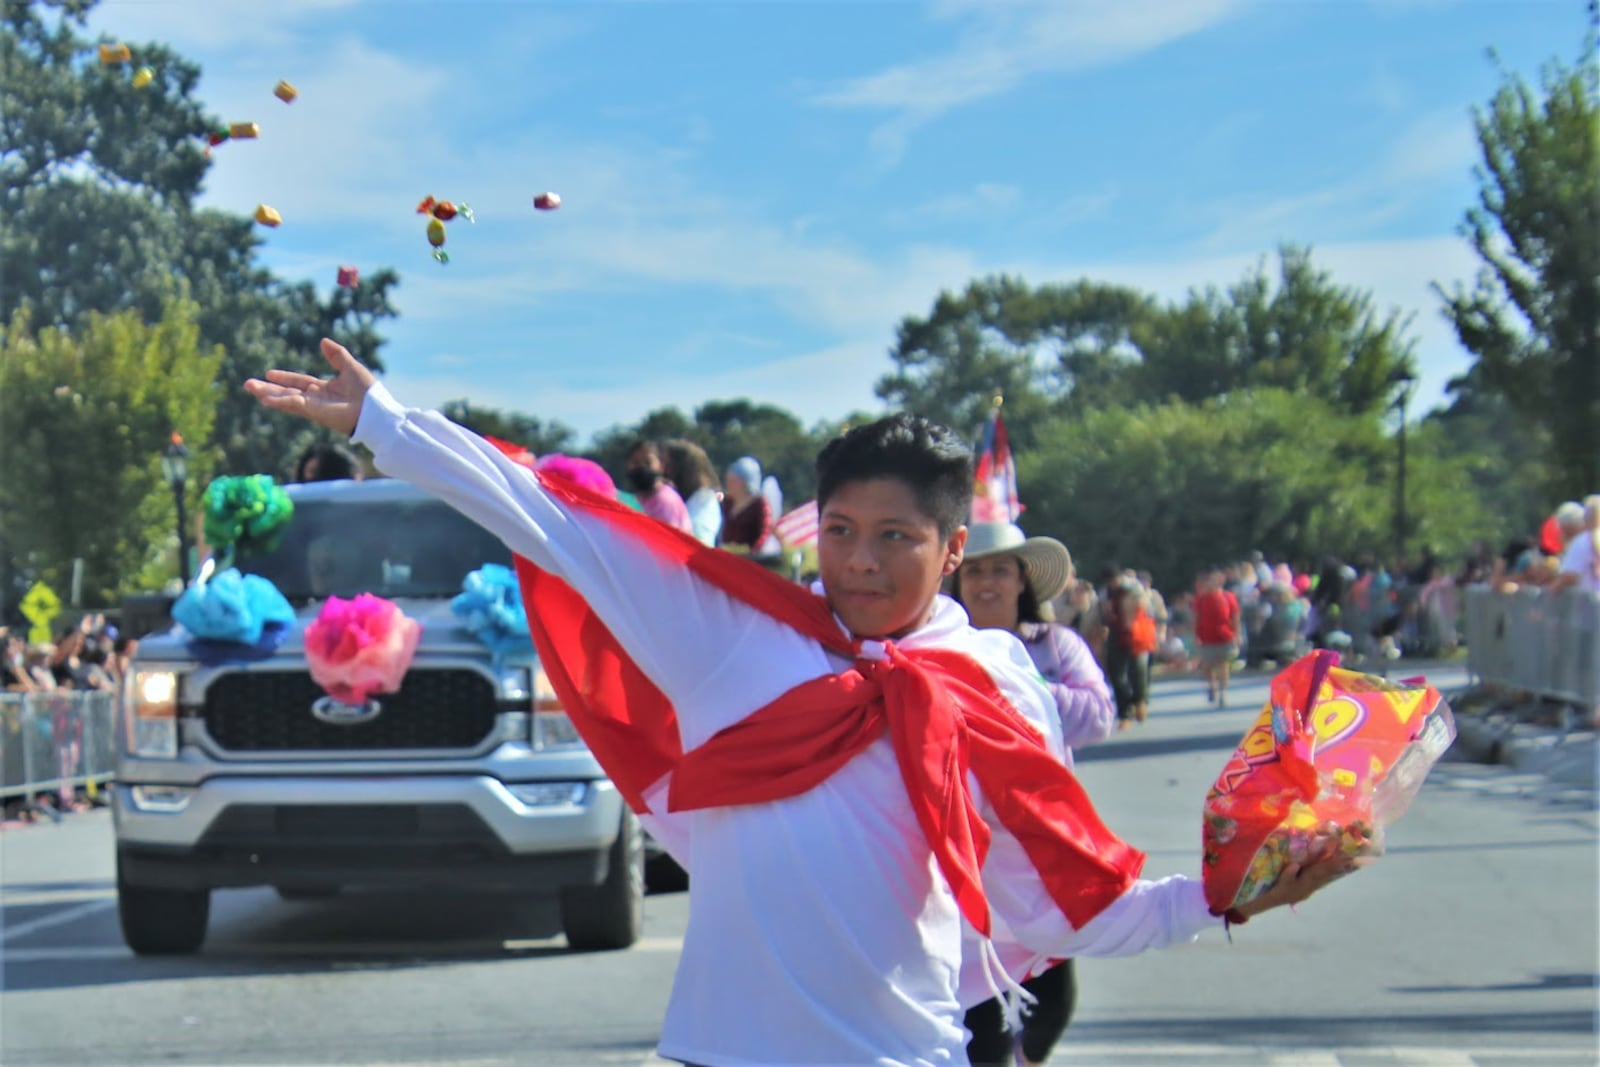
(820, 929)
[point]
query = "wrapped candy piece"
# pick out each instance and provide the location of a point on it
(444, 210)
(113, 54)
(547, 201)
(1334, 757)
(358, 647)
(436, 239)
(231, 607)
(246, 514)
(244, 131)
(490, 606)
(285, 92)
(268, 216)
(349, 277)
(217, 135)
(143, 77)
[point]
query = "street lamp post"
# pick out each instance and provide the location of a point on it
(175, 468)
(1405, 380)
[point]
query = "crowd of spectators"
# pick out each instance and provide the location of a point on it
(89, 654)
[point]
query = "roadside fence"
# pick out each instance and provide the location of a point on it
(1527, 640)
(54, 744)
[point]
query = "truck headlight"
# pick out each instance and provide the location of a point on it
(552, 729)
(151, 703)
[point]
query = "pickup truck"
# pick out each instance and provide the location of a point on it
(469, 777)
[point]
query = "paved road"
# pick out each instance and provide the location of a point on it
(1472, 944)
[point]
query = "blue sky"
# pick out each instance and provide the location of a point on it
(755, 194)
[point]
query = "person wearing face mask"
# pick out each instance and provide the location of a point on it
(647, 477)
(1003, 582)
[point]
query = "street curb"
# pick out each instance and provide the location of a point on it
(1495, 736)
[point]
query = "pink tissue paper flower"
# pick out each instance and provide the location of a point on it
(361, 646)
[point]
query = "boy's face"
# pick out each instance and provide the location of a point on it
(881, 557)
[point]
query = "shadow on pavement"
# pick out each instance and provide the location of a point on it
(1542, 983)
(1344, 1031)
(1127, 747)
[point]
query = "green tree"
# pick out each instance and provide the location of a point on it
(1047, 349)
(1300, 331)
(1177, 486)
(84, 417)
(99, 182)
(1532, 316)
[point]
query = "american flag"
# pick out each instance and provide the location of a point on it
(994, 497)
(799, 527)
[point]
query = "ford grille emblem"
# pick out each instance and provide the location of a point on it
(341, 714)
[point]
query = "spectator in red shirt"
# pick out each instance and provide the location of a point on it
(1216, 629)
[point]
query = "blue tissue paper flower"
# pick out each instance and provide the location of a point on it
(490, 606)
(233, 608)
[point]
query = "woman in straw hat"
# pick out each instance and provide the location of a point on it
(1005, 582)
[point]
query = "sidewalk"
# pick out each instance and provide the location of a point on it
(1517, 736)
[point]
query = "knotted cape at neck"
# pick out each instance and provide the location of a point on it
(942, 711)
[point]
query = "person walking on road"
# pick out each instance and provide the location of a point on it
(1216, 629)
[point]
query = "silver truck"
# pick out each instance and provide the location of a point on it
(470, 777)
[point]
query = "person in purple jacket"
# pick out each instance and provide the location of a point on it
(1003, 582)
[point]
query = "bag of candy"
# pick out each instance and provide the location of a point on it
(1335, 756)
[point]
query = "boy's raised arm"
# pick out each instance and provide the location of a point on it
(677, 628)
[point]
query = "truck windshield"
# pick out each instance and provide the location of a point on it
(391, 548)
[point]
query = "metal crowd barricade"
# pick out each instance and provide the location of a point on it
(56, 742)
(1547, 645)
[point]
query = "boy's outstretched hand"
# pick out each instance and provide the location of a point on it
(332, 402)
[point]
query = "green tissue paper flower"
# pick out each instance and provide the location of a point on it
(247, 514)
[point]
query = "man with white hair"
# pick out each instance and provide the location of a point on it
(1580, 562)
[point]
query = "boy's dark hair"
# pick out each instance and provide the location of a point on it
(643, 443)
(931, 459)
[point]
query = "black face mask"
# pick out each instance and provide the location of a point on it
(643, 478)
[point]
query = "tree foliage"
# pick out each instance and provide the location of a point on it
(99, 188)
(532, 433)
(1065, 350)
(1532, 315)
(84, 417)
(1174, 487)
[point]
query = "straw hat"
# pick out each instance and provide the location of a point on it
(1045, 561)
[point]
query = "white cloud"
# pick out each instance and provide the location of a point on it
(192, 24)
(984, 198)
(1435, 147)
(1004, 44)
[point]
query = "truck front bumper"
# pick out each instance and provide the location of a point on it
(462, 832)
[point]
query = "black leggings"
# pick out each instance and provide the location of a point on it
(991, 1043)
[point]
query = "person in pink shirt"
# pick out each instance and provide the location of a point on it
(647, 477)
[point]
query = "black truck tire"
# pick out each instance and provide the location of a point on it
(609, 915)
(163, 922)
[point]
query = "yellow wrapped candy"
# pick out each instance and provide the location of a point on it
(144, 76)
(112, 54)
(267, 216)
(241, 130)
(285, 92)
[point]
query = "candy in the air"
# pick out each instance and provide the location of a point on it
(285, 92)
(244, 130)
(267, 216)
(436, 239)
(547, 201)
(349, 277)
(112, 54)
(143, 76)
(443, 210)
(217, 135)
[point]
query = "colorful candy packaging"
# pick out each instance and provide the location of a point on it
(1334, 754)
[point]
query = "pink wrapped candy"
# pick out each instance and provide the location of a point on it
(547, 201)
(361, 646)
(349, 277)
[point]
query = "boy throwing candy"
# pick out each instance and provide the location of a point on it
(846, 773)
